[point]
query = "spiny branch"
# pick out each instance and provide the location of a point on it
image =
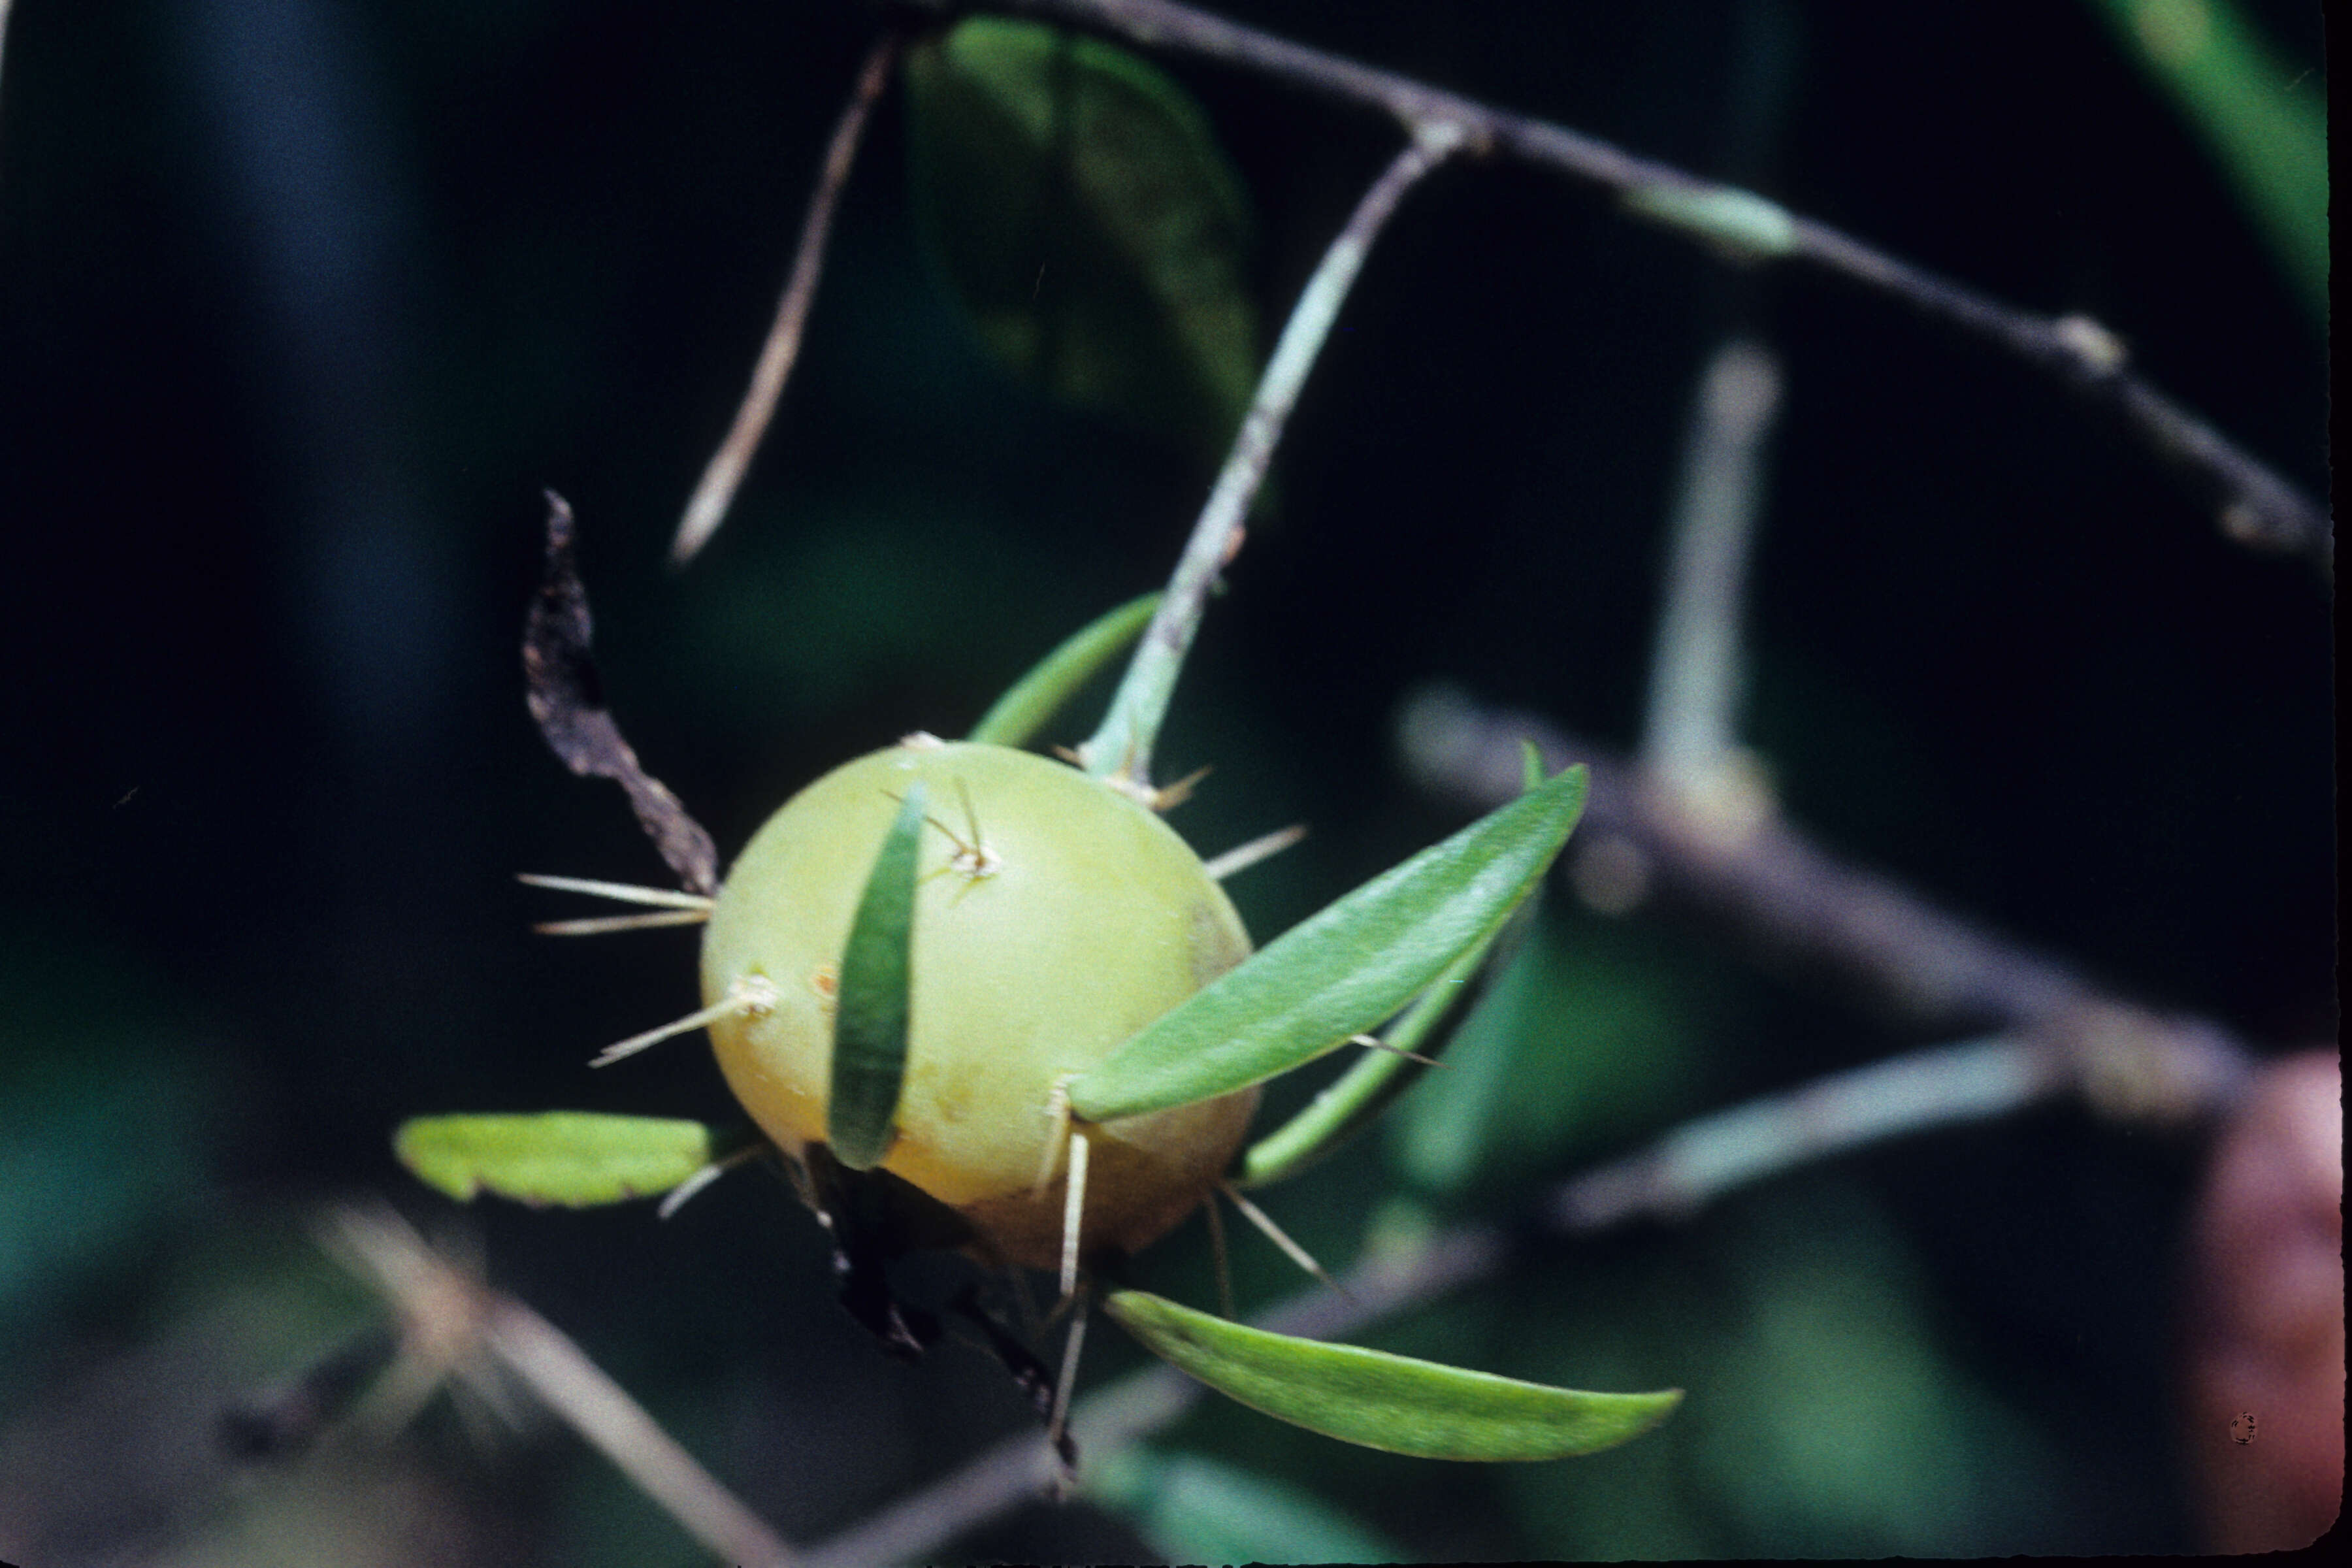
(2058, 1035)
(2254, 504)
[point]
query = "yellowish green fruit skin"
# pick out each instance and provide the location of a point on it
(1085, 919)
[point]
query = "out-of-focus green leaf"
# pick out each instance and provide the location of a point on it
(576, 1158)
(1382, 1401)
(1036, 697)
(1343, 970)
(1085, 219)
(869, 1019)
(1842, 1424)
(109, 1120)
(1198, 1511)
(1597, 1028)
(2270, 139)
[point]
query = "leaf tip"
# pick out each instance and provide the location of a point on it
(412, 1144)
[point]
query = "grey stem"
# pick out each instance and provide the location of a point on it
(1121, 749)
(1694, 672)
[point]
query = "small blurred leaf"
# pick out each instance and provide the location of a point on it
(1088, 224)
(575, 1158)
(1382, 1401)
(1198, 1511)
(1597, 1028)
(109, 1118)
(1344, 969)
(2270, 140)
(869, 1019)
(1036, 697)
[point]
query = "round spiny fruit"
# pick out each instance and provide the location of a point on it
(1054, 918)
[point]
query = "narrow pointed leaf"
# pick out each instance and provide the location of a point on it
(1080, 211)
(575, 1158)
(1355, 1100)
(1383, 1401)
(869, 1020)
(1037, 696)
(1345, 969)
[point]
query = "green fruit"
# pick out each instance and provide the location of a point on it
(1054, 918)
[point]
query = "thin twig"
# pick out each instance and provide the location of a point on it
(2255, 505)
(1701, 1160)
(1691, 735)
(1121, 749)
(707, 508)
(437, 1302)
(601, 1410)
(1806, 909)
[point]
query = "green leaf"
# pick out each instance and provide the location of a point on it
(1196, 1510)
(1382, 1401)
(1085, 218)
(1344, 969)
(1600, 1026)
(575, 1158)
(869, 1019)
(1355, 1100)
(1037, 696)
(2269, 139)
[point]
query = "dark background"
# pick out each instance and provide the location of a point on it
(302, 305)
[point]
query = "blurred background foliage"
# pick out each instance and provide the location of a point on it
(302, 304)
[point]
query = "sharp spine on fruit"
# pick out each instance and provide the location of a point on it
(621, 892)
(599, 925)
(1374, 1043)
(1068, 1381)
(1057, 1116)
(753, 995)
(1265, 846)
(1074, 1213)
(1217, 1253)
(686, 1189)
(1173, 795)
(1275, 1233)
(973, 861)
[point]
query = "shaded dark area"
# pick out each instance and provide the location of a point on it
(301, 308)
